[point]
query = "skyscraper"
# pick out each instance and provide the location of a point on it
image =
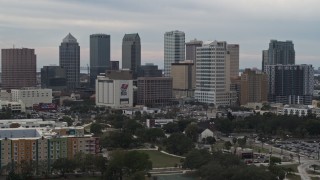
(99, 55)
(213, 74)
(53, 77)
(234, 59)
(191, 48)
(279, 52)
(18, 68)
(290, 84)
(174, 49)
(254, 87)
(69, 59)
(131, 52)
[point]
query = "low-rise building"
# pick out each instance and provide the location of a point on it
(298, 110)
(115, 93)
(31, 96)
(13, 106)
(42, 145)
(150, 123)
(30, 123)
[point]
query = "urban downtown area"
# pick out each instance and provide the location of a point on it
(199, 117)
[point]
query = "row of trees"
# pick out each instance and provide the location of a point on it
(221, 166)
(271, 124)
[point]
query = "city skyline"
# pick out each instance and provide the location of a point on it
(251, 24)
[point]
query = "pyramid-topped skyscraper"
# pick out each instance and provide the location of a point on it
(69, 59)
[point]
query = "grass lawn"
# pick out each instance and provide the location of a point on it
(159, 159)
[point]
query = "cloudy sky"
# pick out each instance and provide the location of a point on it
(42, 24)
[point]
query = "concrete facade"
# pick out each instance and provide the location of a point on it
(114, 93)
(213, 75)
(183, 79)
(31, 96)
(254, 87)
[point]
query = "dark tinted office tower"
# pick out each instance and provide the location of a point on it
(154, 91)
(265, 58)
(279, 52)
(290, 84)
(53, 77)
(114, 65)
(18, 68)
(150, 70)
(174, 49)
(131, 52)
(99, 55)
(191, 48)
(69, 54)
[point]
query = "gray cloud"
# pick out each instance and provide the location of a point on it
(42, 24)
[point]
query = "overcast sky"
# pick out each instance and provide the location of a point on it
(42, 24)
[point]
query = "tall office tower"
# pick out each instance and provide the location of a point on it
(53, 77)
(213, 75)
(254, 87)
(69, 53)
(265, 58)
(290, 84)
(99, 55)
(191, 48)
(150, 70)
(131, 53)
(234, 59)
(279, 52)
(183, 78)
(18, 68)
(174, 49)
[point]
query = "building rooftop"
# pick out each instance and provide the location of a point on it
(69, 39)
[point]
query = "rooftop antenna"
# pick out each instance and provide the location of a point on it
(13, 46)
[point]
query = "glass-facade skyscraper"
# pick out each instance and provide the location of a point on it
(131, 53)
(174, 49)
(279, 52)
(99, 55)
(69, 59)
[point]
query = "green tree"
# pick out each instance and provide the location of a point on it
(178, 143)
(100, 163)
(64, 165)
(192, 132)
(96, 129)
(227, 145)
(171, 127)
(196, 158)
(119, 140)
(68, 120)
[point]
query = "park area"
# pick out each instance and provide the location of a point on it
(160, 159)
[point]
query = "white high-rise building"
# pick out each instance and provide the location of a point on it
(174, 49)
(213, 74)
